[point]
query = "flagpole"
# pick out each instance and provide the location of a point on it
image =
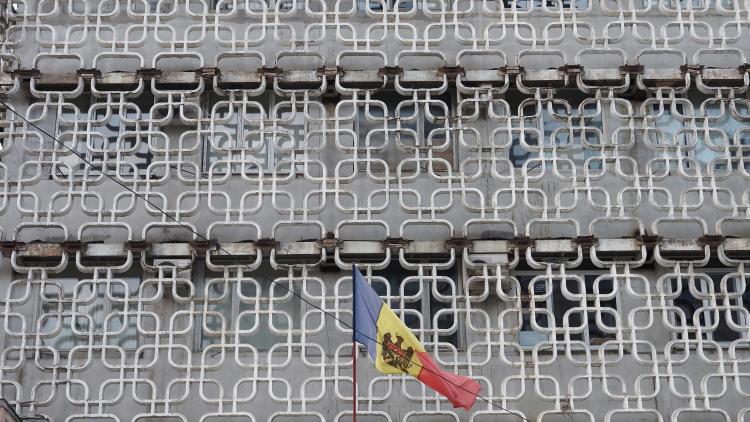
(354, 345)
(354, 401)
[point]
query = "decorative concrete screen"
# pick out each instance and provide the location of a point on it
(553, 195)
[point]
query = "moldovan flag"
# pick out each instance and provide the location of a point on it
(397, 350)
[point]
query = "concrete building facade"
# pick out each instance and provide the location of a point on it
(552, 194)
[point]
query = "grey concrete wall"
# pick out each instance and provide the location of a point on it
(198, 338)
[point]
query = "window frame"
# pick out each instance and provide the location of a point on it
(376, 6)
(742, 300)
(544, 115)
(538, 4)
(712, 118)
(106, 303)
(420, 122)
(549, 305)
(704, 306)
(691, 125)
(7, 127)
(231, 286)
(426, 302)
(270, 101)
(242, 5)
(76, 164)
(83, 131)
(141, 161)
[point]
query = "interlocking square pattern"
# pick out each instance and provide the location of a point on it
(553, 194)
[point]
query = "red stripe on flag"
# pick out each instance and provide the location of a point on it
(461, 391)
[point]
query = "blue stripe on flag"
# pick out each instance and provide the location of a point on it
(367, 306)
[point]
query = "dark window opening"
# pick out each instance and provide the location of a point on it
(532, 291)
(701, 317)
(78, 310)
(414, 296)
(252, 136)
(250, 310)
(388, 124)
(581, 322)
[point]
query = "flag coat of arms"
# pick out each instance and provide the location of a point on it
(395, 349)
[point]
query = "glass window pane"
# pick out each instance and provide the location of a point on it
(240, 136)
(567, 311)
(535, 320)
(218, 317)
(250, 310)
(270, 317)
(68, 306)
(601, 287)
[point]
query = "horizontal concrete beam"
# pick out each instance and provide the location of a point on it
(478, 252)
(237, 79)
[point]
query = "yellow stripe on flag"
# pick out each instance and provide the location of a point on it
(398, 347)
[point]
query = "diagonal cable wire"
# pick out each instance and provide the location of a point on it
(297, 295)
